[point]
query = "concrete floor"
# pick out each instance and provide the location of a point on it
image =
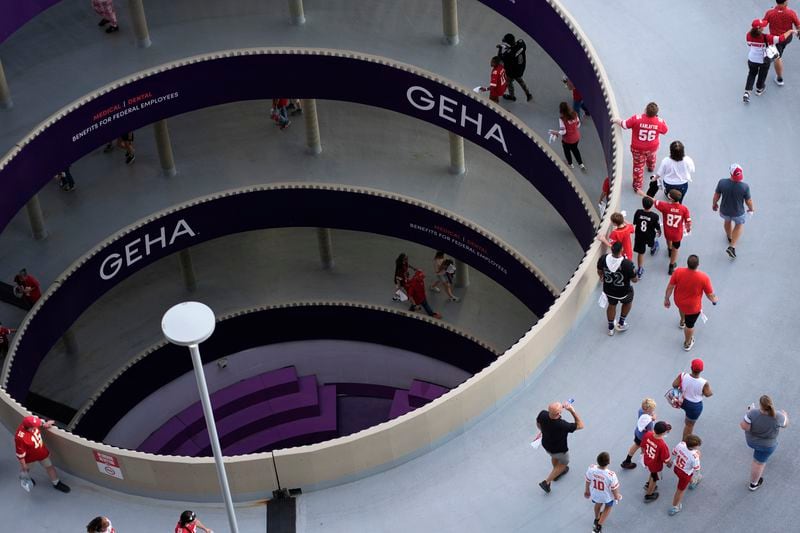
(486, 478)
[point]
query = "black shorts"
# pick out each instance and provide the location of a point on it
(654, 476)
(675, 244)
(612, 300)
(637, 441)
(641, 242)
(691, 320)
(782, 46)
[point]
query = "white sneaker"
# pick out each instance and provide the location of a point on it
(779, 81)
(583, 167)
(435, 289)
(687, 347)
(622, 327)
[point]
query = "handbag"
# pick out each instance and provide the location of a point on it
(674, 395)
(771, 51)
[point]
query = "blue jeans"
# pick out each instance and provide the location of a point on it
(578, 105)
(683, 188)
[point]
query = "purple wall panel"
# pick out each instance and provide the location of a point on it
(15, 13)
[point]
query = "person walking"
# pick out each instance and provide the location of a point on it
(761, 427)
(781, 19)
(688, 285)
(65, 180)
(100, 524)
(644, 423)
(735, 195)
(621, 233)
(646, 129)
(105, 8)
(30, 448)
(4, 340)
(758, 56)
(675, 171)
(27, 287)
(687, 468)
(693, 389)
(647, 230)
(602, 487)
(655, 453)
(416, 294)
(677, 223)
(444, 269)
(577, 98)
(498, 82)
(126, 143)
(402, 273)
(280, 113)
(617, 274)
(569, 131)
(189, 523)
(512, 52)
(554, 438)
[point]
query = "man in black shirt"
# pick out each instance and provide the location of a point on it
(512, 52)
(617, 273)
(648, 230)
(554, 439)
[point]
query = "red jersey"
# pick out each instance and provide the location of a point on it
(675, 215)
(623, 235)
(569, 131)
(498, 81)
(655, 452)
(781, 19)
(29, 281)
(29, 445)
(606, 186)
(4, 333)
(188, 528)
(689, 288)
(415, 288)
(576, 95)
(645, 132)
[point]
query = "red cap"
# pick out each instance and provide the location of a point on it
(697, 365)
(736, 172)
(31, 422)
(760, 23)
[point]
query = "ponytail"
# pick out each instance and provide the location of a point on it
(766, 405)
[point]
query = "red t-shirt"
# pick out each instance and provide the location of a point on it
(415, 288)
(498, 82)
(29, 445)
(781, 20)
(623, 235)
(689, 288)
(606, 186)
(4, 333)
(675, 215)
(655, 452)
(576, 95)
(572, 133)
(645, 132)
(29, 281)
(188, 528)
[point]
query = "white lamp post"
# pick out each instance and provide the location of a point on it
(189, 324)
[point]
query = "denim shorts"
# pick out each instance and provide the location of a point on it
(761, 453)
(741, 219)
(692, 410)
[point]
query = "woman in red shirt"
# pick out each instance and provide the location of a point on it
(568, 129)
(189, 523)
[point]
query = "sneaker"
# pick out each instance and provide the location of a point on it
(597, 527)
(571, 165)
(112, 29)
(687, 347)
(655, 247)
(672, 267)
(435, 289)
(676, 509)
(779, 81)
(583, 167)
(130, 158)
(746, 98)
(756, 486)
(437, 315)
(61, 486)
(103, 22)
(761, 91)
(529, 97)
(454, 299)
(681, 325)
(627, 465)
(622, 327)
(545, 486)
(696, 479)
(650, 497)
(611, 332)
(286, 124)
(640, 272)
(509, 97)
(731, 252)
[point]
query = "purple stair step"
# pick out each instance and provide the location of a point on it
(303, 431)
(226, 401)
(400, 405)
(422, 392)
(369, 390)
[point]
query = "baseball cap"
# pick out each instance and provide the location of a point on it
(662, 427)
(697, 365)
(31, 422)
(759, 23)
(736, 172)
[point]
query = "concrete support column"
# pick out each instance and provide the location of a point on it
(296, 14)
(462, 275)
(36, 218)
(450, 21)
(187, 270)
(70, 342)
(139, 21)
(457, 165)
(164, 147)
(5, 92)
(325, 248)
(312, 126)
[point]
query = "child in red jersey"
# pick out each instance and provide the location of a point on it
(621, 233)
(30, 448)
(498, 82)
(677, 223)
(655, 453)
(646, 129)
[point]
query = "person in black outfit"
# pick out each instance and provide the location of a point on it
(554, 439)
(648, 230)
(512, 52)
(617, 274)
